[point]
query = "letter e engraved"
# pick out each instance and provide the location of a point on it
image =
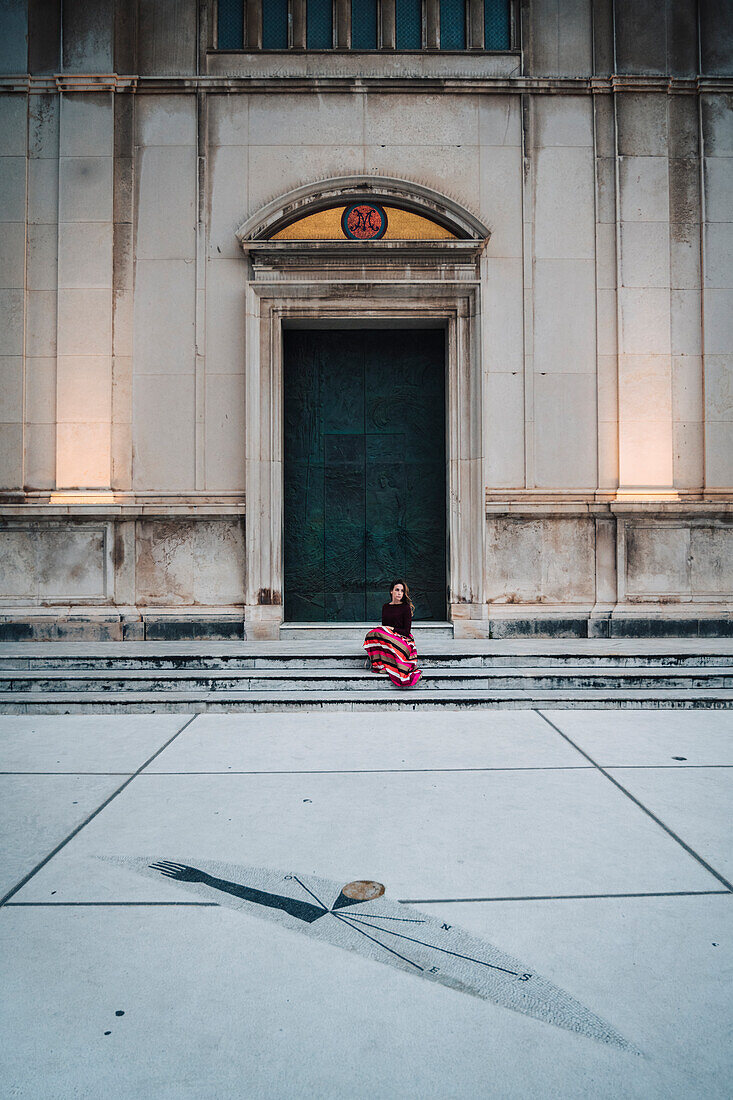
(434, 969)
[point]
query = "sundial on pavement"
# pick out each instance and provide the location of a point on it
(359, 917)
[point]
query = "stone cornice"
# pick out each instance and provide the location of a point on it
(450, 85)
(69, 82)
(562, 503)
(111, 504)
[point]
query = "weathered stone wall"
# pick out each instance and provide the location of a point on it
(602, 167)
(120, 578)
(609, 570)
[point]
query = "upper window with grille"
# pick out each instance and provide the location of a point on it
(446, 25)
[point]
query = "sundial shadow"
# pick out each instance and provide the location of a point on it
(359, 917)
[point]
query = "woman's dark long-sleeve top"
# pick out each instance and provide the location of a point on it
(398, 616)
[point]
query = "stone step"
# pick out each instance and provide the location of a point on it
(349, 680)
(195, 701)
(322, 632)
(278, 655)
(347, 663)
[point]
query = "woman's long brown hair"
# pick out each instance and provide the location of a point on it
(406, 596)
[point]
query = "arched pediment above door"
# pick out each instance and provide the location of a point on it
(413, 212)
(369, 219)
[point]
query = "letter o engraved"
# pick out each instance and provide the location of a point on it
(364, 221)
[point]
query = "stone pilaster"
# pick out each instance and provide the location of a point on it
(84, 321)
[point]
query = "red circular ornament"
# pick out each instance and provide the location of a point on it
(364, 221)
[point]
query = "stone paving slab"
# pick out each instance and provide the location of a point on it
(617, 898)
(460, 740)
(431, 834)
(218, 1006)
(696, 803)
(82, 742)
(38, 811)
(648, 737)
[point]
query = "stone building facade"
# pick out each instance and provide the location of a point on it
(160, 160)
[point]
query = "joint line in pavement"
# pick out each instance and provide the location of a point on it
(658, 821)
(19, 885)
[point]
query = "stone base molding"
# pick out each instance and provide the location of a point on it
(571, 570)
(614, 569)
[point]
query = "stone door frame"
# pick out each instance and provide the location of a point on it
(387, 305)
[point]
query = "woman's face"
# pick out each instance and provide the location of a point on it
(398, 593)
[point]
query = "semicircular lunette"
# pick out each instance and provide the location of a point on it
(363, 221)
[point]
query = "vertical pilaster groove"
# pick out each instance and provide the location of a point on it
(703, 222)
(606, 340)
(122, 293)
(200, 320)
(595, 299)
(617, 226)
(23, 366)
(528, 281)
(61, 98)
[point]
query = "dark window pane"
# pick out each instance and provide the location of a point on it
(364, 24)
(452, 24)
(319, 25)
(496, 25)
(274, 24)
(230, 30)
(408, 24)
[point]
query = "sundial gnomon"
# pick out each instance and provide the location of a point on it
(359, 918)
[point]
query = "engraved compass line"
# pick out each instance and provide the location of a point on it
(383, 916)
(379, 942)
(324, 907)
(445, 950)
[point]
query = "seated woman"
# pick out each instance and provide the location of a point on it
(391, 646)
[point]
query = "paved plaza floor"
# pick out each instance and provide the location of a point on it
(589, 850)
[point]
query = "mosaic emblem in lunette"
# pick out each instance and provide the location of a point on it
(364, 221)
(358, 917)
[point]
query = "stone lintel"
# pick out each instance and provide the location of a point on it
(347, 254)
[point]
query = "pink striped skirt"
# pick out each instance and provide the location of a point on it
(393, 654)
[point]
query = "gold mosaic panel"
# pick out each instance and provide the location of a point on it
(402, 225)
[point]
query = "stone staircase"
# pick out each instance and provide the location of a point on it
(320, 670)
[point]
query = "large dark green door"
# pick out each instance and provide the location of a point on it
(364, 472)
